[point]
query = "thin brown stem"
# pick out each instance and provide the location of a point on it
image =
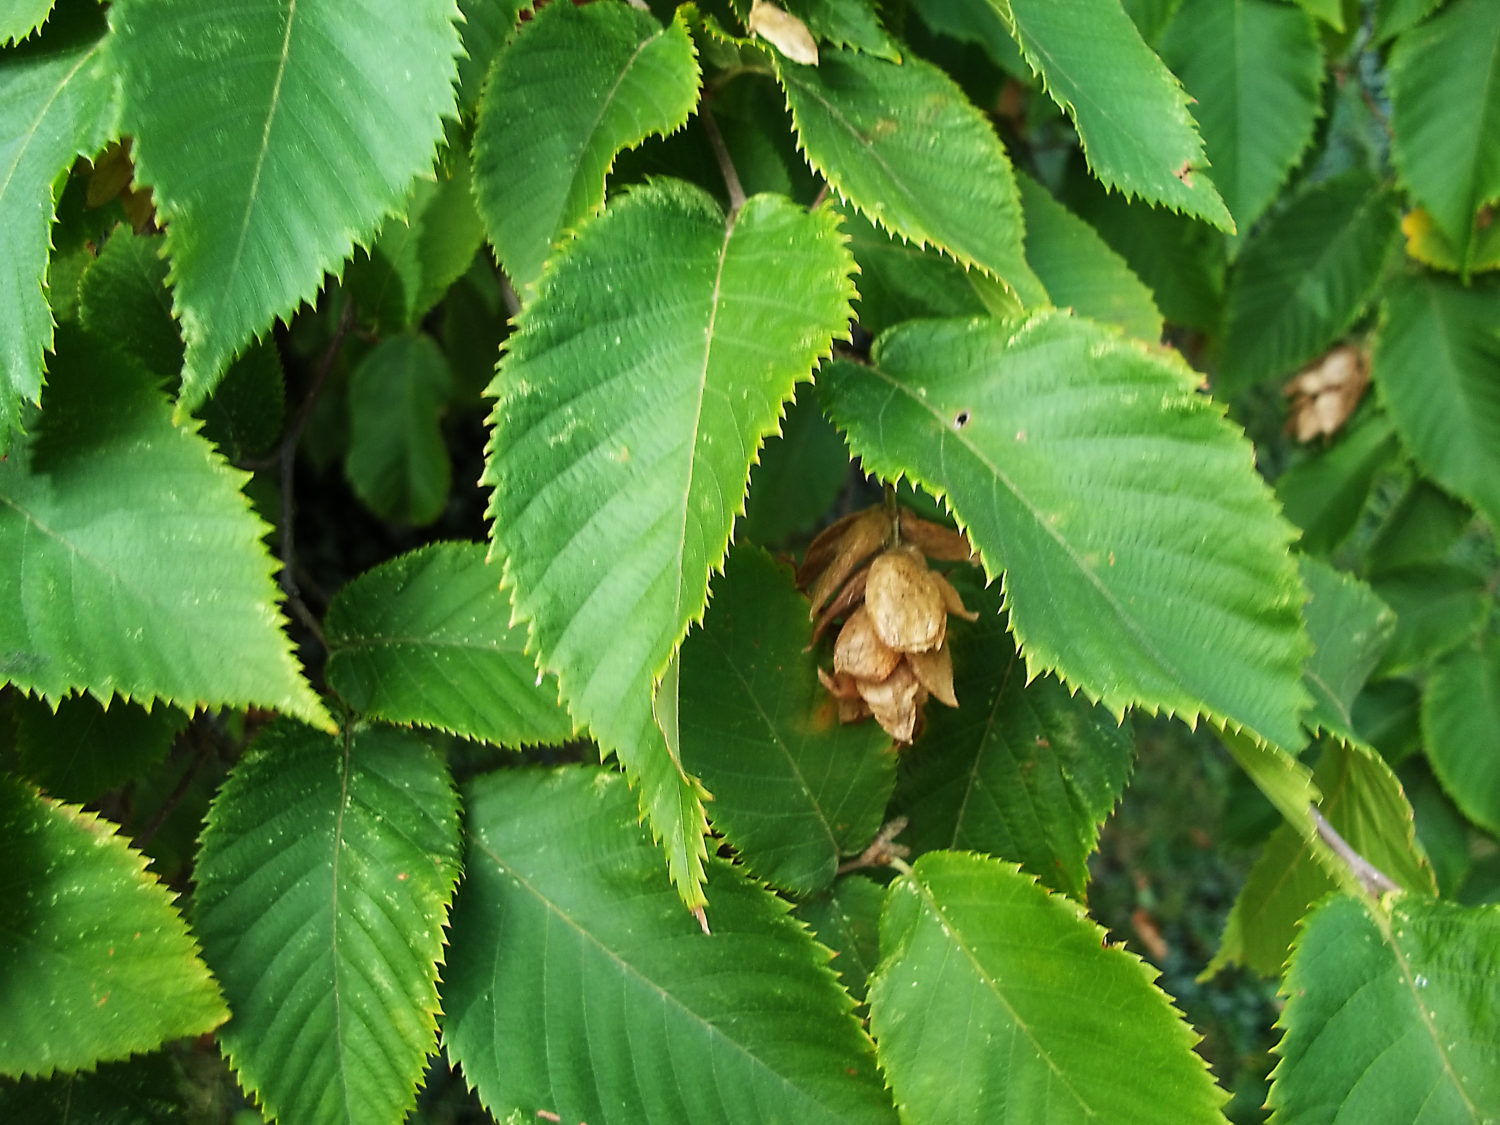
(726, 166)
(1374, 880)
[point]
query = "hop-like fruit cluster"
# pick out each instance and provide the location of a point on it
(870, 570)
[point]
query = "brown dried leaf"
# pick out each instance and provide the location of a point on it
(860, 652)
(906, 601)
(784, 31)
(896, 701)
(839, 686)
(838, 552)
(934, 540)
(952, 602)
(1326, 392)
(846, 599)
(934, 670)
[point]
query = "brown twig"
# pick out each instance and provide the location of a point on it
(883, 851)
(1374, 880)
(726, 166)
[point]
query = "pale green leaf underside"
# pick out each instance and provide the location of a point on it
(1461, 731)
(426, 638)
(904, 145)
(656, 355)
(996, 1000)
(56, 102)
(1445, 116)
(1304, 278)
(1023, 771)
(1254, 69)
(1364, 802)
(1080, 270)
(1144, 560)
(21, 18)
(97, 963)
(565, 96)
(130, 563)
(1130, 112)
(1349, 627)
(1387, 1018)
(794, 789)
(397, 459)
(323, 884)
(275, 137)
(1435, 362)
(578, 986)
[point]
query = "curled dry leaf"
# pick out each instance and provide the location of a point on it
(906, 601)
(1326, 392)
(852, 593)
(952, 602)
(784, 31)
(845, 692)
(896, 701)
(934, 540)
(859, 651)
(934, 671)
(835, 554)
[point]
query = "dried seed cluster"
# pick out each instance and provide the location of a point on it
(891, 654)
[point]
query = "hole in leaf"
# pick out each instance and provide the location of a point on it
(961, 419)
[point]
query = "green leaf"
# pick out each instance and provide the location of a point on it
(1325, 493)
(1349, 627)
(1330, 12)
(1304, 278)
(487, 24)
(1387, 1018)
(578, 986)
(97, 963)
(1180, 259)
(995, 999)
(1080, 270)
(275, 138)
(323, 883)
(800, 474)
(57, 97)
(846, 918)
(905, 146)
(1254, 68)
(1392, 17)
(21, 18)
(123, 298)
(1024, 771)
(1438, 607)
(1461, 731)
(1365, 804)
(426, 638)
(1131, 113)
(420, 252)
(1434, 363)
(1284, 780)
(130, 563)
(614, 495)
(1423, 526)
(793, 788)
(846, 23)
(548, 133)
(81, 750)
(397, 460)
(1143, 558)
(899, 280)
(1445, 116)
(146, 1090)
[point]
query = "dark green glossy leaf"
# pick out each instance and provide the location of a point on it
(323, 884)
(578, 986)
